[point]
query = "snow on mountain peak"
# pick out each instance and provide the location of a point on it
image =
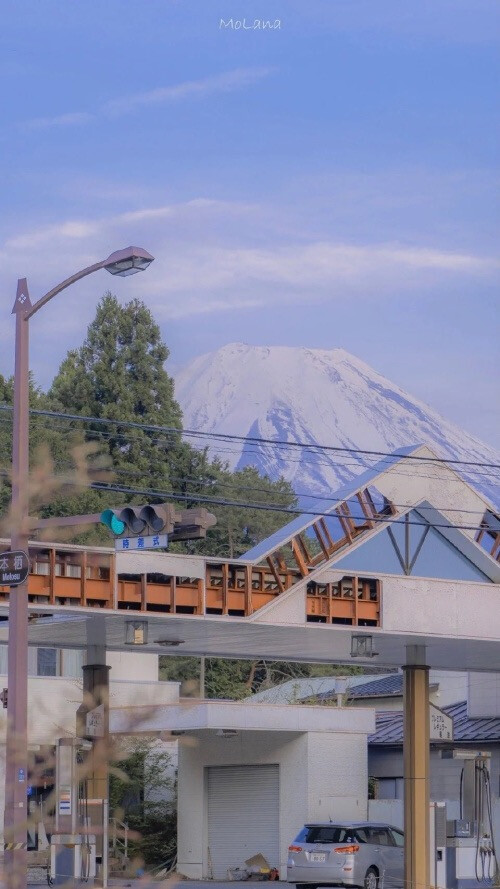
(318, 396)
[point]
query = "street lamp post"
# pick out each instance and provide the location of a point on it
(122, 262)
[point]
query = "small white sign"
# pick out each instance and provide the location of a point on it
(151, 541)
(441, 725)
(94, 725)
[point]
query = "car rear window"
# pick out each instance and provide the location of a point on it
(324, 833)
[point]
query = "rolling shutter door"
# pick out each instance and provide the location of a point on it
(243, 816)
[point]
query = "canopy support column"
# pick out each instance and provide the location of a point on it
(416, 769)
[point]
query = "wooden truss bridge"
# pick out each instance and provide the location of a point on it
(65, 575)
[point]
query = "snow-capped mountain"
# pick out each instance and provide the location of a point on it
(319, 397)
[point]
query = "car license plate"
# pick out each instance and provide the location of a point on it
(318, 856)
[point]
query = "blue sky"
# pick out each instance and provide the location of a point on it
(332, 182)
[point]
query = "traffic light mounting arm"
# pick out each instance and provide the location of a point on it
(192, 524)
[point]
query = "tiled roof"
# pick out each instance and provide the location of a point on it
(389, 728)
(385, 687)
(379, 688)
(376, 688)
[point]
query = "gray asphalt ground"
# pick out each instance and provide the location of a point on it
(172, 883)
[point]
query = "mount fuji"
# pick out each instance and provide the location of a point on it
(317, 397)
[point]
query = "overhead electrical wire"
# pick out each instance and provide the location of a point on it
(217, 436)
(236, 451)
(265, 507)
(100, 434)
(328, 462)
(207, 482)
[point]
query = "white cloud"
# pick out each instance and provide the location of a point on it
(81, 229)
(218, 83)
(312, 268)
(213, 256)
(73, 118)
(230, 80)
(72, 229)
(216, 258)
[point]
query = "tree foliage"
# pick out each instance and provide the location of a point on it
(240, 528)
(227, 679)
(49, 443)
(142, 792)
(118, 374)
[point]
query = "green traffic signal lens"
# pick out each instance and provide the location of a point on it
(112, 521)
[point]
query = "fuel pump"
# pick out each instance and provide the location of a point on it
(437, 858)
(471, 858)
(72, 846)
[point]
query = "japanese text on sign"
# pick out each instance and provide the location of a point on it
(151, 541)
(14, 567)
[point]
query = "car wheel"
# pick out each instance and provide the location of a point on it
(371, 879)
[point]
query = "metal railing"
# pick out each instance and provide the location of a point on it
(118, 840)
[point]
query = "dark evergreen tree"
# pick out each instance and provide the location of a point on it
(236, 679)
(49, 446)
(241, 527)
(118, 374)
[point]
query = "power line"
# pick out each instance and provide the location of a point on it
(236, 451)
(214, 482)
(146, 427)
(265, 507)
(306, 495)
(336, 467)
(206, 482)
(303, 495)
(328, 462)
(195, 495)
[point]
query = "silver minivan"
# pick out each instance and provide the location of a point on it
(342, 854)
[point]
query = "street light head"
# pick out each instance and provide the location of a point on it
(128, 261)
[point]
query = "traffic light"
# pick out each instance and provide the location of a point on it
(132, 521)
(161, 518)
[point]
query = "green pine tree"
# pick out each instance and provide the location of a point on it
(240, 527)
(50, 448)
(118, 374)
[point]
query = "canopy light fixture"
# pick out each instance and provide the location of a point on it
(172, 643)
(362, 646)
(136, 632)
(128, 261)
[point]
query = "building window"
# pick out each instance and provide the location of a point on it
(47, 662)
(71, 662)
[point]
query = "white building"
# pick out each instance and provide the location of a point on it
(251, 776)
(55, 692)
